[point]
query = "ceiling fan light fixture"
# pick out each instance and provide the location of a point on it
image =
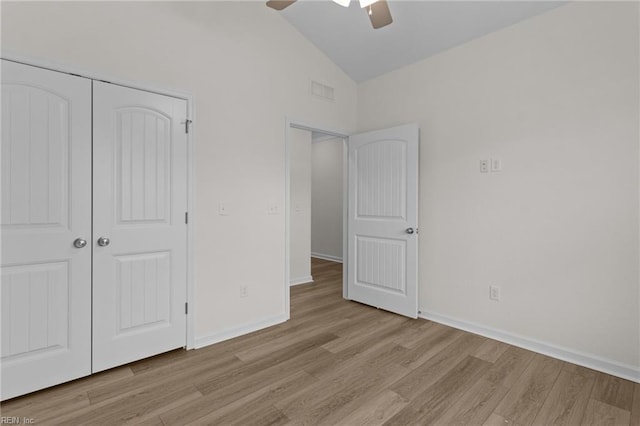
(365, 3)
(377, 10)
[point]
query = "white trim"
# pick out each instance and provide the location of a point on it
(296, 124)
(328, 257)
(303, 125)
(211, 339)
(191, 226)
(287, 218)
(302, 280)
(66, 68)
(594, 362)
(345, 218)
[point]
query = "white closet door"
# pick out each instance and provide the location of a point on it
(139, 205)
(46, 205)
(383, 219)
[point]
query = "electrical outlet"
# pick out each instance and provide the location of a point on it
(494, 293)
(484, 166)
(244, 291)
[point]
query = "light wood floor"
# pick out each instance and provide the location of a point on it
(339, 362)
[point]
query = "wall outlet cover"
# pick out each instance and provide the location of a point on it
(494, 293)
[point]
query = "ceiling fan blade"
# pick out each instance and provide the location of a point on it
(379, 14)
(280, 4)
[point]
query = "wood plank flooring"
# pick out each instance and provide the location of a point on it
(341, 363)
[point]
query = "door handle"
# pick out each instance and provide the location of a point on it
(410, 231)
(103, 241)
(79, 243)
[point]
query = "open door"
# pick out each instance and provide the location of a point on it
(382, 236)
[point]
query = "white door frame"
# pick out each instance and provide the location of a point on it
(74, 70)
(304, 125)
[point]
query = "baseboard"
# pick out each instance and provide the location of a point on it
(614, 368)
(203, 341)
(304, 280)
(327, 257)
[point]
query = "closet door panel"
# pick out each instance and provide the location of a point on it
(46, 206)
(139, 280)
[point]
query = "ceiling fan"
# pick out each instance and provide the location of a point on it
(378, 10)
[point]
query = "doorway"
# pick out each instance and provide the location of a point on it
(327, 191)
(310, 212)
(380, 215)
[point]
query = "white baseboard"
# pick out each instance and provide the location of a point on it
(303, 280)
(327, 257)
(565, 354)
(203, 341)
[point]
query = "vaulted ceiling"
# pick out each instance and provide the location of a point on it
(420, 29)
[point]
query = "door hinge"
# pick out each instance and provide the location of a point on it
(187, 123)
(186, 217)
(186, 308)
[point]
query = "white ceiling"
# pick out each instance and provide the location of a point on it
(420, 29)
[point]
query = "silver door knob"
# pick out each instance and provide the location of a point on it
(79, 243)
(410, 231)
(103, 241)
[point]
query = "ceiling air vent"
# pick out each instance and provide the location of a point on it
(320, 90)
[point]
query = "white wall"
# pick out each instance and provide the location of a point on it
(300, 206)
(326, 198)
(247, 69)
(556, 99)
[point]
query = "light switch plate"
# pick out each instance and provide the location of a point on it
(273, 209)
(224, 209)
(496, 165)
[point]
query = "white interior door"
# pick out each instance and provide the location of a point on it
(382, 235)
(46, 205)
(139, 205)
